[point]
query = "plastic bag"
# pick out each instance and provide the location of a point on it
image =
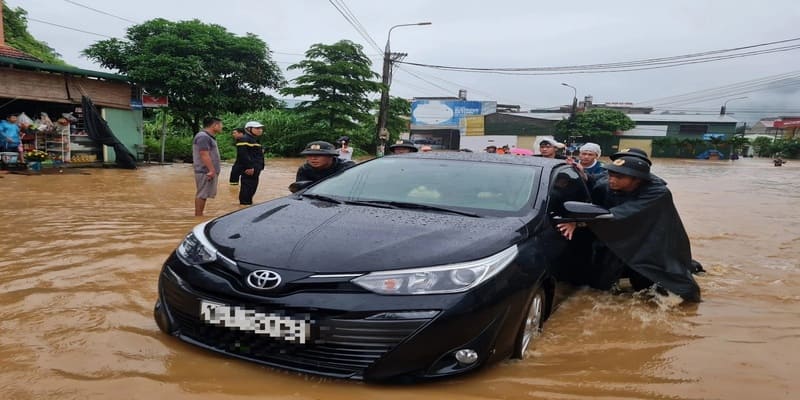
(24, 120)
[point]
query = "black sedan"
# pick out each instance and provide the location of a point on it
(421, 265)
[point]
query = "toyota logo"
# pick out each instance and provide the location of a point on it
(263, 279)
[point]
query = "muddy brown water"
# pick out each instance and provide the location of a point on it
(81, 251)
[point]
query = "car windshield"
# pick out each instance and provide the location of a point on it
(467, 185)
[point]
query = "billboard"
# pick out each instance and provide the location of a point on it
(446, 114)
(472, 125)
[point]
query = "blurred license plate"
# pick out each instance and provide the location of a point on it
(271, 324)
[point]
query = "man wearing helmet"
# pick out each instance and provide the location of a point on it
(403, 146)
(250, 157)
(322, 161)
(644, 240)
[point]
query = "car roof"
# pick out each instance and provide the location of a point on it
(484, 157)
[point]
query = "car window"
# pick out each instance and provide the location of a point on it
(471, 185)
(565, 185)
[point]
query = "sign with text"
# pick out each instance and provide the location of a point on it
(154, 101)
(446, 113)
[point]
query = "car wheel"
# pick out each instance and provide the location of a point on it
(532, 323)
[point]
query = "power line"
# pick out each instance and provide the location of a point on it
(100, 11)
(727, 90)
(348, 15)
(592, 70)
(67, 27)
(635, 65)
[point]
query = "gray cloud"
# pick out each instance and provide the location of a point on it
(513, 33)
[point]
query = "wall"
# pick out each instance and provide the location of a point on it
(127, 127)
(503, 124)
(58, 88)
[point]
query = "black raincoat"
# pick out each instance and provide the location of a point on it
(647, 235)
(308, 173)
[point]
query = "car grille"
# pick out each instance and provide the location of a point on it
(340, 347)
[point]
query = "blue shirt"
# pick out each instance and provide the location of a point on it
(9, 130)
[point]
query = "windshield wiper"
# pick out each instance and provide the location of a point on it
(370, 203)
(417, 206)
(321, 197)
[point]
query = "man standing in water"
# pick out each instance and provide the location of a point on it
(644, 240)
(250, 157)
(205, 159)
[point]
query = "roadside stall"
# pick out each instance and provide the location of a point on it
(48, 102)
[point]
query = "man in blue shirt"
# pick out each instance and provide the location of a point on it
(9, 135)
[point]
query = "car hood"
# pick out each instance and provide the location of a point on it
(323, 237)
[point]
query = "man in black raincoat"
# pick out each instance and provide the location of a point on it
(645, 240)
(322, 161)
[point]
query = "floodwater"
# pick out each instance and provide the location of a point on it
(81, 253)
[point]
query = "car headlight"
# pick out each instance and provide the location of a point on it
(451, 278)
(195, 248)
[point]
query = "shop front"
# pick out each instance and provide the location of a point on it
(47, 102)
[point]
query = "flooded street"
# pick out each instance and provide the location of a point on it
(82, 250)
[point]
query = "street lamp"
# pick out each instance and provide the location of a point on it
(725, 104)
(574, 97)
(571, 134)
(722, 112)
(383, 112)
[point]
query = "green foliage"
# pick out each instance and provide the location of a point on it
(594, 123)
(339, 79)
(285, 131)
(762, 146)
(202, 68)
(788, 148)
(15, 26)
(737, 143)
(176, 147)
(399, 117)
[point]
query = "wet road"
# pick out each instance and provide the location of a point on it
(81, 252)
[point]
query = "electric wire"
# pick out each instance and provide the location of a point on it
(353, 21)
(100, 11)
(67, 27)
(677, 60)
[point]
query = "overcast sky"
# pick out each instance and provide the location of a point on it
(511, 33)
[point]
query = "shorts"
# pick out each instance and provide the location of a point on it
(206, 188)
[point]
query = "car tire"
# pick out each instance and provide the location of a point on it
(532, 323)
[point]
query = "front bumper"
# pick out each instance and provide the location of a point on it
(358, 335)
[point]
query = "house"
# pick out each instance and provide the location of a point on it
(33, 87)
(526, 129)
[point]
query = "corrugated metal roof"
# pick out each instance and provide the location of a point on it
(40, 66)
(640, 117)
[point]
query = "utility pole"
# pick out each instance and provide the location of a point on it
(382, 134)
(573, 112)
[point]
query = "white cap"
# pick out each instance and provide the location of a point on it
(592, 147)
(552, 142)
(253, 124)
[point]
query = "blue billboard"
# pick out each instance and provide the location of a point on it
(445, 113)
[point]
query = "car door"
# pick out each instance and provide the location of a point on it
(568, 259)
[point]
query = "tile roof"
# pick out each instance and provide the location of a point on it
(10, 52)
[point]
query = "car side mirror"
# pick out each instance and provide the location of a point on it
(578, 211)
(299, 185)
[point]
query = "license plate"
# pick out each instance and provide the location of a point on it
(271, 324)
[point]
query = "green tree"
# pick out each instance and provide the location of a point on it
(594, 123)
(202, 68)
(762, 146)
(339, 79)
(15, 25)
(399, 116)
